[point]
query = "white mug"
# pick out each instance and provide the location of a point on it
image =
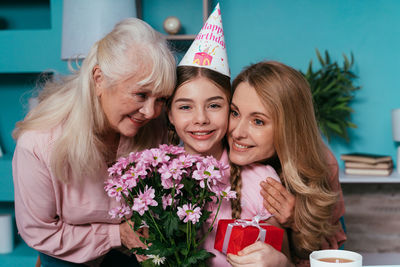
(6, 233)
(334, 258)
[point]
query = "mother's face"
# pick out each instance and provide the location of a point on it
(128, 105)
(251, 129)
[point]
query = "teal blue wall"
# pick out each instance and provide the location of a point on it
(290, 31)
(284, 30)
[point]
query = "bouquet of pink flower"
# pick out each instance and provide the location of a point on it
(168, 191)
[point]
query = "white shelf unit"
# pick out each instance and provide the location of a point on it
(181, 37)
(394, 177)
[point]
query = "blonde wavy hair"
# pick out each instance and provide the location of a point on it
(71, 101)
(300, 150)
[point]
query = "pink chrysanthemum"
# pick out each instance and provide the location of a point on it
(166, 201)
(120, 212)
(115, 188)
(174, 170)
(227, 193)
(154, 156)
(144, 200)
(170, 149)
(205, 172)
(187, 161)
(189, 213)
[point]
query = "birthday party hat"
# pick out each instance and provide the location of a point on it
(208, 50)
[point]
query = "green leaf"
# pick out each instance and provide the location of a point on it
(332, 87)
(321, 60)
(170, 222)
(147, 263)
(197, 257)
(157, 248)
(137, 221)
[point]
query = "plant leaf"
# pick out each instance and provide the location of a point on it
(332, 88)
(170, 222)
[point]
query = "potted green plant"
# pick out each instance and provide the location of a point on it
(333, 88)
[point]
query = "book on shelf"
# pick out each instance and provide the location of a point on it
(365, 157)
(377, 172)
(363, 165)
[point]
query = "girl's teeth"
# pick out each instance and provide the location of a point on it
(202, 133)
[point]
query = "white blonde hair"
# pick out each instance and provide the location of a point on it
(71, 101)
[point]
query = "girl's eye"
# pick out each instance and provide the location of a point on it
(258, 122)
(214, 105)
(184, 107)
(234, 113)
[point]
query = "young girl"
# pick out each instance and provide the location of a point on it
(272, 121)
(198, 112)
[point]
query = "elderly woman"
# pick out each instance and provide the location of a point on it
(82, 124)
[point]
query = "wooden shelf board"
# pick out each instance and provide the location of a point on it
(394, 177)
(181, 37)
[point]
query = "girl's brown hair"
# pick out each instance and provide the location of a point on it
(185, 74)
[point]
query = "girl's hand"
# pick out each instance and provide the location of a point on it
(259, 254)
(278, 201)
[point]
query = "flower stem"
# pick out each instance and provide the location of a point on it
(175, 252)
(187, 236)
(173, 195)
(212, 224)
(156, 225)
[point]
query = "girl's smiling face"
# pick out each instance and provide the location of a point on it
(199, 111)
(251, 129)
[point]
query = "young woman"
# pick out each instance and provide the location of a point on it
(83, 123)
(272, 122)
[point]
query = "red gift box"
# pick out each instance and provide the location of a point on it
(234, 235)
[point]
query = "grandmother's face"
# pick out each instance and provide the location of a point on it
(127, 105)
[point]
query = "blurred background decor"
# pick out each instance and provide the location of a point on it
(172, 25)
(396, 134)
(333, 88)
(85, 22)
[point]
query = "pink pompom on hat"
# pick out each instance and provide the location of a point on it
(208, 50)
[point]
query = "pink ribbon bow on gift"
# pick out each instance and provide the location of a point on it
(254, 222)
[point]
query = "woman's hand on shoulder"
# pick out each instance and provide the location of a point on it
(259, 254)
(278, 201)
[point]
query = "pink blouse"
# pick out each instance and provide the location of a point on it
(251, 202)
(67, 221)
